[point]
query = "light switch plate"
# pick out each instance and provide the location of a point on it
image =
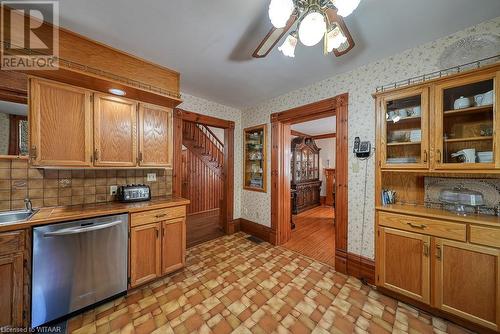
(151, 177)
(112, 190)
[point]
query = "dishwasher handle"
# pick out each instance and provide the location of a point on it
(78, 230)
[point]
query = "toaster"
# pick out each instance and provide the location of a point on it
(133, 193)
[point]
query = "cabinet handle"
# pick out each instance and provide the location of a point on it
(425, 155)
(157, 233)
(439, 156)
(426, 249)
(438, 252)
(419, 226)
(161, 215)
(96, 155)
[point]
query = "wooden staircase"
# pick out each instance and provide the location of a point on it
(203, 143)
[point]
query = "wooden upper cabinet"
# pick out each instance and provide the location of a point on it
(145, 253)
(466, 122)
(115, 131)
(155, 136)
(404, 129)
(173, 245)
(467, 281)
(60, 122)
(403, 263)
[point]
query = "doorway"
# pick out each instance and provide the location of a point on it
(203, 173)
(281, 208)
(312, 186)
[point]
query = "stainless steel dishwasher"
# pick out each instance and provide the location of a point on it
(77, 264)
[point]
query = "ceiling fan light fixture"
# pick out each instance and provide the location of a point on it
(312, 28)
(280, 11)
(346, 7)
(289, 45)
(334, 39)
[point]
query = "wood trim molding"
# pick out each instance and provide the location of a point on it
(203, 119)
(257, 230)
(298, 134)
(227, 208)
(325, 136)
(280, 171)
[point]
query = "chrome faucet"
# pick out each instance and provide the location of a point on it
(28, 205)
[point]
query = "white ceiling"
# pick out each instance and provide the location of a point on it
(317, 127)
(210, 42)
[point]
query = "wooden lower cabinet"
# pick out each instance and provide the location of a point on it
(467, 281)
(11, 290)
(145, 253)
(173, 245)
(157, 248)
(403, 263)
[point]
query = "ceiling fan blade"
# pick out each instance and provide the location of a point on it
(349, 44)
(272, 38)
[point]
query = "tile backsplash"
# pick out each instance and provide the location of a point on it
(56, 187)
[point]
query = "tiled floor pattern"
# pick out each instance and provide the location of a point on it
(234, 285)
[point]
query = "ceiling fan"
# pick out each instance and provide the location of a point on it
(310, 22)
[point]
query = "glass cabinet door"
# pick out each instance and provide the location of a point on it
(404, 130)
(465, 123)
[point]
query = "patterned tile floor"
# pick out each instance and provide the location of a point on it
(234, 285)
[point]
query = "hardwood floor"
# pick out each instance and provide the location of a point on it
(201, 227)
(314, 234)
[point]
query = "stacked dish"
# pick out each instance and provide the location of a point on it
(416, 136)
(485, 157)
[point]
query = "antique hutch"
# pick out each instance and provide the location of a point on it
(305, 183)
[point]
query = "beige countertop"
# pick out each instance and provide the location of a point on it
(75, 212)
(440, 214)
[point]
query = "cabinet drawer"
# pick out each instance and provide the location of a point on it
(154, 216)
(11, 242)
(438, 228)
(488, 236)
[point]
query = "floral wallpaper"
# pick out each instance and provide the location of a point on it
(205, 107)
(360, 84)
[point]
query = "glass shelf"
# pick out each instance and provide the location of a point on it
(255, 158)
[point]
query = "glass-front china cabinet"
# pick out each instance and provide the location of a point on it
(305, 183)
(465, 123)
(405, 129)
(254, 145)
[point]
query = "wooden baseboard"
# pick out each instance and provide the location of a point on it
(354, 265)
(257, 230)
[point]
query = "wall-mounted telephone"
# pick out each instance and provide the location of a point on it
(362, 149)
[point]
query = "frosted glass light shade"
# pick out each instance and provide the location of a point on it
(280, 11)
(289, 45)
(334, 39)
(346, 7)
(312, 29)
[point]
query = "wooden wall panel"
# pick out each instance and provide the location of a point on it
(200, 184)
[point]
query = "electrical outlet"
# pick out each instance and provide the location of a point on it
(113, 190)
(151, 177)
(257, 215)
(245, 210)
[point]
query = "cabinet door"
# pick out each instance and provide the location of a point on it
(155, 136)
(60, 122)
(404, 130)
(403, 263)
(115, 131)
(11, 290)
(466, 123)
(173, 245)
(145, 255)
(467, 281)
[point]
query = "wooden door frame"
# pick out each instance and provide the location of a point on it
(280, 170)
(181, 116)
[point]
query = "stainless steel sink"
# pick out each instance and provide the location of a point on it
(11, 217)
